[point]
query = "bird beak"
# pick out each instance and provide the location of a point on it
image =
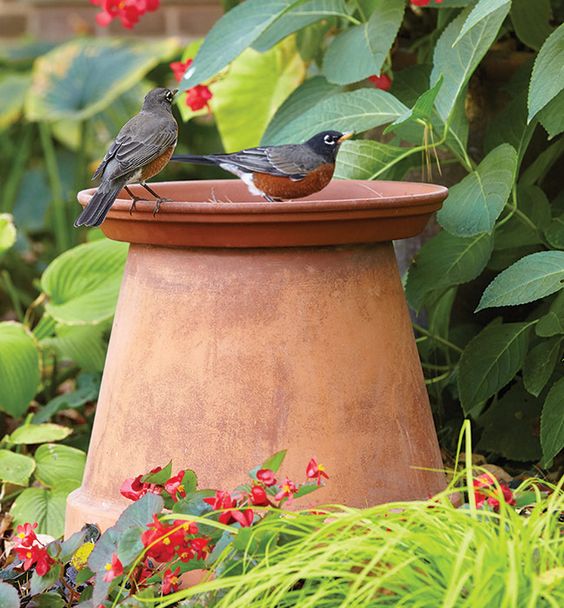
(174, 91)
(345, 136)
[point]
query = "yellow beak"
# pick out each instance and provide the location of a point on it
(345, 136)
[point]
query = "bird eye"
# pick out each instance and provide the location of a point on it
(328, 139)
(168, 95)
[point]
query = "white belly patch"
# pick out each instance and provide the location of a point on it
(246, 178)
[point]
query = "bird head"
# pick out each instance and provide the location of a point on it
(159, 97)
(327, 143)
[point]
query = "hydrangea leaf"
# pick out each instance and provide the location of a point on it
(552, 422)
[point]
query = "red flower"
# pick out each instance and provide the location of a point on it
(200, 546)
(37, 555)
(383, 82)
(424, 2)
(198, 97)
(113, 569)
(171, 581)
(179, 68)
(316, 471)
(174, 486)
(287, 490)
(164, 541)
(493, 493)
(222, 500)
(25, 535)
(133, 488)
(128, 11)
(258, 496)
(266, 476)
(244, 517)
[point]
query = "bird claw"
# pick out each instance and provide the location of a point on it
(158, 204)
(133, 206)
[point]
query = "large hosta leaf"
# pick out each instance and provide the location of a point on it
(444, 261)
(357, 111)
(82, 284)
(306, 96)
(533, 277)
(366, 159)
(19, 368)
(300, 16)
(59, 465)
(15, 468)
(261, 81)
(232, 34)
(457, 55)
(547, 79)
(490, 361)
(84, 76)
(46, 507)
(7, 232)
(360, 51)
(28, 434)
(474, 204)
(13, 88)
(552, 422)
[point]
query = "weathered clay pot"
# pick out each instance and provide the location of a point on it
(243, 328)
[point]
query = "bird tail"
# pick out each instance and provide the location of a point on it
(197, 160)
(95, 212)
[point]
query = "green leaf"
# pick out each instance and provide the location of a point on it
(59, 464)
(41, 583)
(457, 62)
(160, 476)
(533, 277)
(193, 503)
(261, 81)
(298, 17)
(232, 34)
(275, 461)
(15, 468)
(84, 76)
(366, 159)
(480, 12)
(130, 545)
(39, 433)
(422, 109)
(306, 96)
(190, 481)
(547, 79)
(82, 284)
(543, 163)
(555, 232)
(357, 111)
(46, 507)
(19, 368)
(509, 426)
(47, 600)
(9, 597)
(553, 322)
(551, 116)
(490, 361)
(13, 88)
(360, 51)
(7, 232)
(531, 21)
(83, 344)
(540, 363)
(474, 204)
(87, 390)
(552, 422)
(444, 261)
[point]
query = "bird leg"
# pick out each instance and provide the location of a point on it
(134, 199)
(270, 199)
(159, 201)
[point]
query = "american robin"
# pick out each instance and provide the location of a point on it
(281, 172)
(142, 148)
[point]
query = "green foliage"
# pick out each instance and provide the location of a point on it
(552, 422)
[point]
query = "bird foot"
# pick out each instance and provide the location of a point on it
(133, 206)
(158, 204)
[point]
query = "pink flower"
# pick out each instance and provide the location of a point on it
(316, 471)
(113, 569)
(37, 555)
(245, 517)
(174, 486)
(266, 476)
(258, 496)
(198, 97)
(383, 82)
(287, 489)
(128, 11)
(171, 581)
(222, 500)
(25, 535)
(492, 494)
(133, 488)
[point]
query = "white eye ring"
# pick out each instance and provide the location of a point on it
(328, 139)
(169, 96)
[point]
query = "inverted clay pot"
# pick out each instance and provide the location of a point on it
(245, 327)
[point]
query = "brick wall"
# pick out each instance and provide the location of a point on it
(54, 20)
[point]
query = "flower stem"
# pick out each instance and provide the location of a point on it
(438, 339)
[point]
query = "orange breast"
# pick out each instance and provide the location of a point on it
(157, 165)
(284, 187)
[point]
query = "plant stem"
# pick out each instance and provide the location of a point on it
(13, 294)
(438, 339)
(17, 170)
(62, 239)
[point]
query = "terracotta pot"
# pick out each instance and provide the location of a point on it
(244, 327)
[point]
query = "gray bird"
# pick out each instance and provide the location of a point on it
(142, 148)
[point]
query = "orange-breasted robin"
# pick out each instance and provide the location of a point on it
(142, 148)
(281, 172)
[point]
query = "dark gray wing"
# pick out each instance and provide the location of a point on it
(141, 140)
(293, 161)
